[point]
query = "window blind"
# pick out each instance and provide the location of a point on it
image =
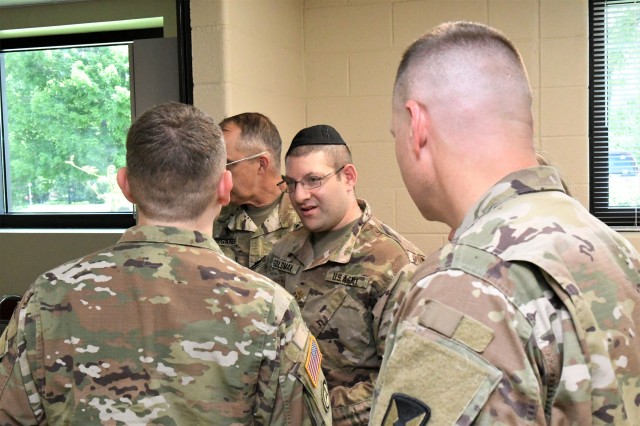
(614, 99)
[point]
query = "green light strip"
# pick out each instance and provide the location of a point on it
(128, 24)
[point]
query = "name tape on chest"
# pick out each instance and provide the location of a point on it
(226, 241)
(284, 266)
(347, 279)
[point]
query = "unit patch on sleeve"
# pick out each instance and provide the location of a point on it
(314, 361)
(405, 410)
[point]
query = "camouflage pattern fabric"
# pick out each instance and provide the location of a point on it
(160, 328)
(529, 316)
(241, 240)
(347, 297)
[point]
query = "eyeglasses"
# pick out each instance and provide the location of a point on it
(307, 182)
(251, 157)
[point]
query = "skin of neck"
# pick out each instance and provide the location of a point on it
(267, 190)
(202, 223)
(470, 157)
(465, 179)
(353, 213)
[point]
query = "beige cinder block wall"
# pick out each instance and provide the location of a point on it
(248, 56)
(350, 51)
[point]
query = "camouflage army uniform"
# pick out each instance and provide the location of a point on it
(346, 298)
(529, 316)
(241, 240)
(160, 328)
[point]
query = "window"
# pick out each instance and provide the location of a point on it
(65, 113)
(66, 107)
(615, 112)
(69, 164)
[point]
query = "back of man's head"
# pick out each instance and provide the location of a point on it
(258, 133)
(464, 68)
(461, 101)
(175, 157)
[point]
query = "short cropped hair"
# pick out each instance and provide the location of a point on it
(432, 49)
(175, 157)
(338, 155)
(257, 132)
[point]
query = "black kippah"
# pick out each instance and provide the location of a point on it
(321, 134)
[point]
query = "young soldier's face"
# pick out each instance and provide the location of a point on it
(323, 208)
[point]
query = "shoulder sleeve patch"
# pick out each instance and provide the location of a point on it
(314, 361)
(454, 382)
(404, 410)
(456, 325)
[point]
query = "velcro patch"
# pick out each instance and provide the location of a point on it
(226, 241)
(439, 317)
(455, 325)
(284, 266)
(348, 279)
(300, 338)
(314, 361)
(459, 380)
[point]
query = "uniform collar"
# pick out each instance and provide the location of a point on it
(343, 249)
(283, 215)
(168, 235)
(534, 179)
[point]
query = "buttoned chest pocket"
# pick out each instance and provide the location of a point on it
(342, 325)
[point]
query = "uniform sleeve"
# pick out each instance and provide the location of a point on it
(19, 399)
(292, 389)
(455, 354)
(263, 267)
(387, 306)
(352, 405)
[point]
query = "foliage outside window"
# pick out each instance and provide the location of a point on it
(615, 111)
(67, 113)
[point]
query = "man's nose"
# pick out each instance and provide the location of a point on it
(301, 193)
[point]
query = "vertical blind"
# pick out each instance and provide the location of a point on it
(614, 101)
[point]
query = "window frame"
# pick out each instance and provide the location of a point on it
(620, 218)
(93, 220)
(64, 220)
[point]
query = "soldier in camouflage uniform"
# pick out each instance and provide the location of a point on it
(530, 315)
(259, 214)
(345, 268)
(162, 327)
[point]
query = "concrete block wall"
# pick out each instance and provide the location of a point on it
(248, 56)
(344, 55)
(361, 49)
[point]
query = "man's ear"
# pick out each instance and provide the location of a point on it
(264, 162)
(350, 174)
(224, 188)
(419, 125)
(122, 178)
